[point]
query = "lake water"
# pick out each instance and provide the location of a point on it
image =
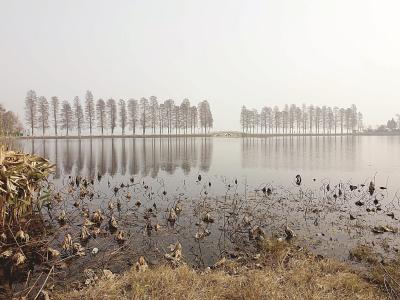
(257, 160)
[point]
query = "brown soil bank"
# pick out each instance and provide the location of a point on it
(279, 271)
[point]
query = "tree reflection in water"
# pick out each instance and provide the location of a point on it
(118, 156)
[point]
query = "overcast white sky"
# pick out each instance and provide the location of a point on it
(230, 52)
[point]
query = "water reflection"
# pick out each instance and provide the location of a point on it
(259, 160)
(303, 153)
(145, 157)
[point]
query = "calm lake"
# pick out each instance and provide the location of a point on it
(275, 160)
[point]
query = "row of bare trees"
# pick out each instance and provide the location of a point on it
(146, 114)
(306, 119)
(9, 122)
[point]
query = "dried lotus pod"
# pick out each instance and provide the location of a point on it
(95, 232)
(256, 233)
(6, 253)
(113, 223)
(85, 234)
(176, 252)
(141, 265)
(22, 236)
(78, 249)
(110, 205)
(207, 218)
(172, 215)
(202, 233)
(87, 223)
(19, 258)
(3, 238)
(52, 253)
(121, 236)
(97, 217)
(62, 218)
(178, 207)
(67, 243)
(289, 233)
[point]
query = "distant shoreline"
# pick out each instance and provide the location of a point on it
(225, 134)
(74, 137)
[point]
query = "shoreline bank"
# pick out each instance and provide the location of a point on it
(217, 134)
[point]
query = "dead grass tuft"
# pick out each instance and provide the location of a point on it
(363, 253)
(385, 273)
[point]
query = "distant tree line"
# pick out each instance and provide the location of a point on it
(144, 115)
(392, 125)
(301, 120)
(9, 122)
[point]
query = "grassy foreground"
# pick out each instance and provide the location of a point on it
(280, 271)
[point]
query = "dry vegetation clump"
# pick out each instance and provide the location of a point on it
(387, 276)
(383, 273)
(20, 177)
(280, 271)
(363, 253)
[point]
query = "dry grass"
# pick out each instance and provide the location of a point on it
(385, 274)
(281, 272)
(20, 177)
(363, 253)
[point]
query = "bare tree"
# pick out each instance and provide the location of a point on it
(311, 117)
(133, 111)
(2, 121)
(153, 113)
(285, 118)
(90, 110)
(9, 122)
(348, 119)
(169, 107)
(353, 117)
(335, 118)
(277, 118)
(112, 114)
(292, 117)
(255, 119)
(31, 110)
(298, 119)
(161, 117)
(360, 121)
(342, 113)
(66, 116)
(55, 103)
(177, 118)
(391, 124)
(144, 111)
(323, 118)
(122, 115)
(101, 114)
(243, 118)
(205, 115)
(264, 119)
(185, 114)
(78, 114)
(329, 120)
(304, 117)
(43, 113)
(193, 119)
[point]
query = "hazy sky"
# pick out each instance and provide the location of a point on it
(229, 52)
